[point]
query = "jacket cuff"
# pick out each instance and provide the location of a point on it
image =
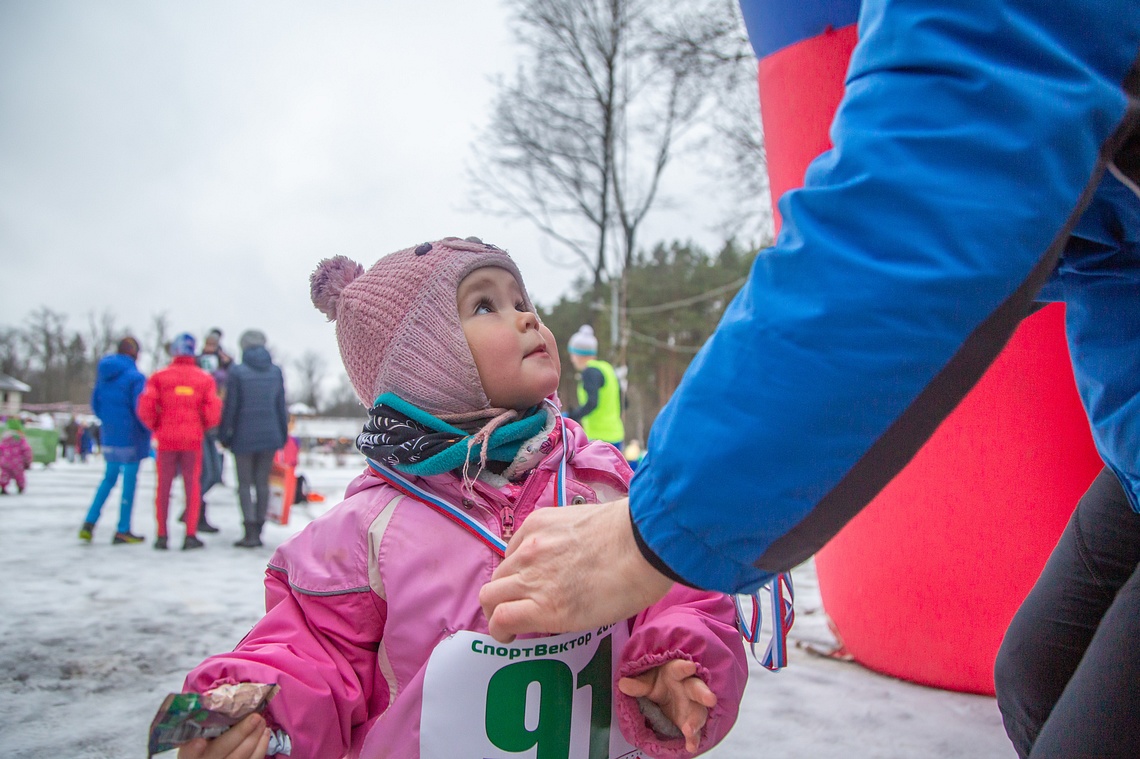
(655, 560)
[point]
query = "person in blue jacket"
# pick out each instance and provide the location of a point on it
(125, 441)
(986, 156)
(254, 426)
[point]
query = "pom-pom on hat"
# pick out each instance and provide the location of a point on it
(182, 345)
(129, 346)
(583, 342)
(398, 324)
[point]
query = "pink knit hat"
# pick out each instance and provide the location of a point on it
(398, 325)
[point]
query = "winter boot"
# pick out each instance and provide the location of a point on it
(203, 525)
(126, 537)
(192, 542)
(86, 531)
(252, 538)
(160, 543)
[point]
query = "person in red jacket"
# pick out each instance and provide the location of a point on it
(178, 404)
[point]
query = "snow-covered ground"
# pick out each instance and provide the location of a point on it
(94, 636)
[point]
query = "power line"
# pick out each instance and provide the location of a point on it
(664, 345)
(659, 307)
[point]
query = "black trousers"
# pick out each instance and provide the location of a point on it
(211, 461)
(1068, 671)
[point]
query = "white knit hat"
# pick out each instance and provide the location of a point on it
(583, 342)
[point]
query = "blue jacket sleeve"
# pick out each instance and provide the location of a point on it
(592, 382)
(97, 401)
(968, 140)
(282, 410)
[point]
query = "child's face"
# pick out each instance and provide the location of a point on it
(516, 356)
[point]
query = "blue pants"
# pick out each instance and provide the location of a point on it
(110, 477)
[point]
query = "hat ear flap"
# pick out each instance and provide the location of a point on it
(328, 281)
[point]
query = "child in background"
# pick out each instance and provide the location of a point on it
(15, 455)
(373, 628)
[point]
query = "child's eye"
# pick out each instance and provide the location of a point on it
(484, 306)
(520, 306)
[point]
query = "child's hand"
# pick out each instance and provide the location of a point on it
(248, 739)
(675, 687)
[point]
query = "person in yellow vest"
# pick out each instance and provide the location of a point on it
(599, 392)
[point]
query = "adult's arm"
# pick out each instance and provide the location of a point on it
(138, 383)
(228, 425)
(282, 411)
(969, 139)
(147, 405)
(211, 405)
(97, 400)
(968, 142)
(592, 382)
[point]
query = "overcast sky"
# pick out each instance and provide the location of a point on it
(199, 158)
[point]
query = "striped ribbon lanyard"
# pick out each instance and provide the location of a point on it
(783, 612)
(459, 515)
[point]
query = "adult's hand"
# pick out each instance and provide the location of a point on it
(570, 569)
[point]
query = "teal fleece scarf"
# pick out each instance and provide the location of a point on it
(406, 438)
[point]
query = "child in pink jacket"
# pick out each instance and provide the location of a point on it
(373, 628)
(15, 455)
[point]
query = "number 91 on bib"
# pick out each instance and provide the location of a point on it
(540, 698)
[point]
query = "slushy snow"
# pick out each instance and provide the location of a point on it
(95, 636)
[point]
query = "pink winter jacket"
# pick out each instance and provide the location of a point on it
(357, 601)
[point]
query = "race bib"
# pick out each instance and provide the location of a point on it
(542, 698)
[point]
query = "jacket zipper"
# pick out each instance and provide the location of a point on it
(507, 519)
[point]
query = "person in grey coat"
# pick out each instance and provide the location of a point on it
(254, 426)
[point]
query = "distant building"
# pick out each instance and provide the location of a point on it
(11, 393)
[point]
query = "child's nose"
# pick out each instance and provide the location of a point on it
(528, 320)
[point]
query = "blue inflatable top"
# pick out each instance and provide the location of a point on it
(775, 24)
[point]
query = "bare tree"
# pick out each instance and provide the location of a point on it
(46, 342)
(583, 134)
(580, 140)
(78, 370)
(311, 368)
(158, 338)
(735, 148)
(13, 353)
(548, 153)
(102, 334)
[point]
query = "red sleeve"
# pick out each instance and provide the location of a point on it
(212, 412)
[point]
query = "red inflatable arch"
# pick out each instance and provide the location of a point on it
(922, 584)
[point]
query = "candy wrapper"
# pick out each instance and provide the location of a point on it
(185, 716)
